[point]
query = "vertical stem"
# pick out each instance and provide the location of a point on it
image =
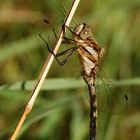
(44, 71)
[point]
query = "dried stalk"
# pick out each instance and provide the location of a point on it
(44, 71)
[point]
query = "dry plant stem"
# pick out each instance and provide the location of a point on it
(44, 71)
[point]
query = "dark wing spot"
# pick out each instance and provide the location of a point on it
(46, 21)
(126, 97)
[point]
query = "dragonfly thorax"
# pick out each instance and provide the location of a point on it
(83, 31)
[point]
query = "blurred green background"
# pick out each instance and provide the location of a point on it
(61, 111)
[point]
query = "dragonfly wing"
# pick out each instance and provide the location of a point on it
(41, 27)
(111, 98)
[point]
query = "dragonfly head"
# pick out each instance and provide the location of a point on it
(83, 31)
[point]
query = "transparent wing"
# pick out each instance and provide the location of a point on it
(63, 9)
(41, 27)
(111, 98)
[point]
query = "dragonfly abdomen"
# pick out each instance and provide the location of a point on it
(93, 112)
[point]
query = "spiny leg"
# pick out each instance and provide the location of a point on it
(68, 41)
(46, 44)
(70, 50)
(64, 28)
(65, 39)
(54, 33)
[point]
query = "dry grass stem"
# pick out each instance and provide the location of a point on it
(44, 71)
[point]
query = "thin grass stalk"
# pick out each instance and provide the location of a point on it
(44, 71)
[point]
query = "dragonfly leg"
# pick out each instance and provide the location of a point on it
(46, 44)
(65, 26)
(54, 33)
(65, 39)
(70, 50)
(68, 41)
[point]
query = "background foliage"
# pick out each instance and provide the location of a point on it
(62, 108)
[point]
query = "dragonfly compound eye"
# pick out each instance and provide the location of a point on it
(85, 33)
(78, 29)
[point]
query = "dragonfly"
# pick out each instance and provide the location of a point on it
(91, 57)
(90, 54)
